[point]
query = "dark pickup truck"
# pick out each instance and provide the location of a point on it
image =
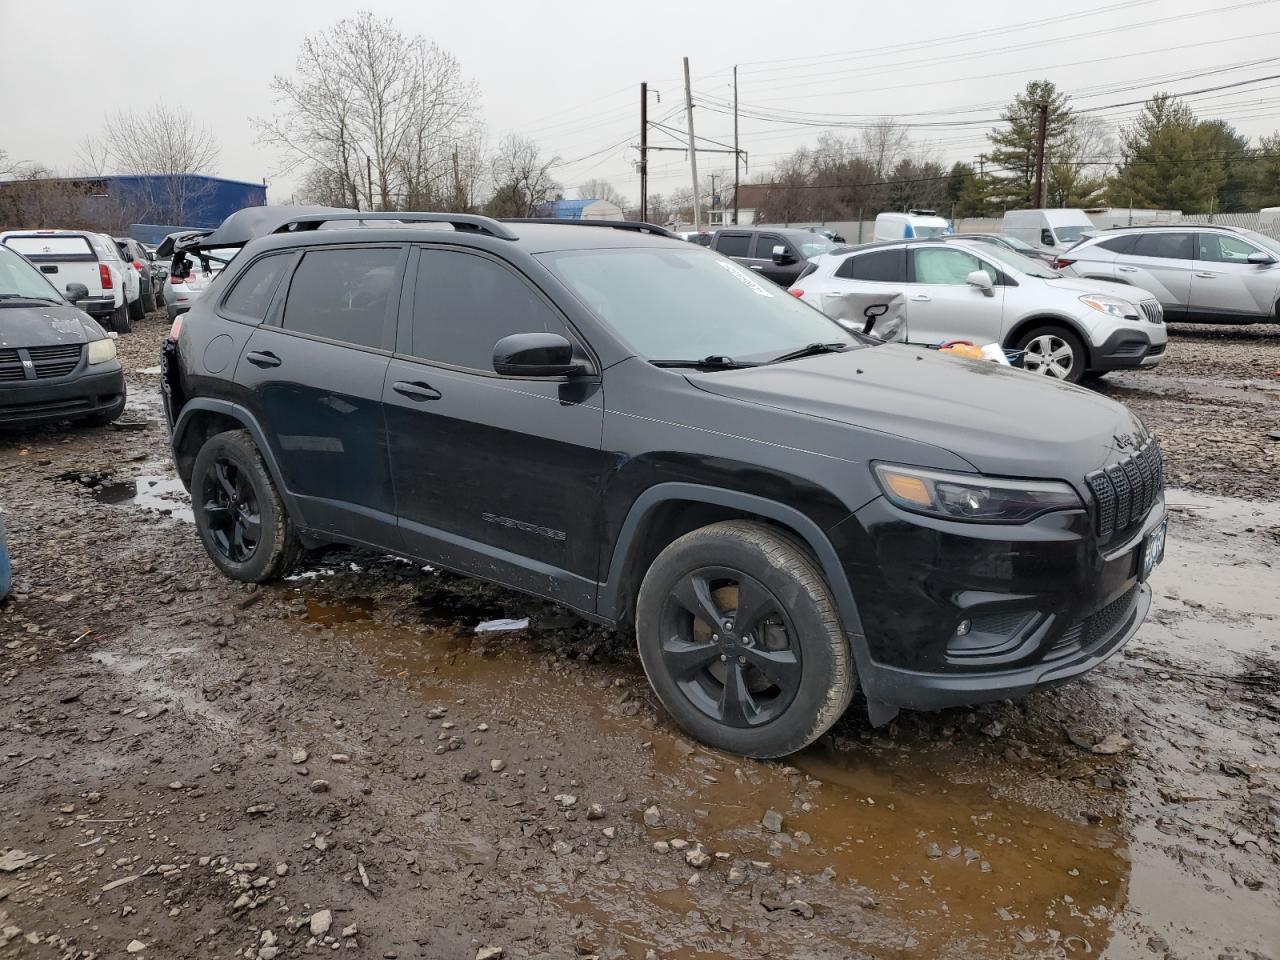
(779, 254)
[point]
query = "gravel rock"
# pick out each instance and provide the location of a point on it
(320, 922)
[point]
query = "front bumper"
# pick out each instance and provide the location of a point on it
(957, 613)
(1129, 348)
(79, 395)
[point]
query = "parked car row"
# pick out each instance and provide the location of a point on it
(651, 434)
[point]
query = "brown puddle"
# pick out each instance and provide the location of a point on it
(1005, 877)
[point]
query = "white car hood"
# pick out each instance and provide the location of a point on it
(1110, 288)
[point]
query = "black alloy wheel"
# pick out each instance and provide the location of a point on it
(231, 506)
(729, 645)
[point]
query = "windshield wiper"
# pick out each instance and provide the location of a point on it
(811, 350)
(23, 296)
(714, 362)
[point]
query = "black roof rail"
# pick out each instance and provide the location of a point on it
(459, 221)
(639, 226)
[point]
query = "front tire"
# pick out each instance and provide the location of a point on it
(239, 515)
(1054, 351)
(740, 639)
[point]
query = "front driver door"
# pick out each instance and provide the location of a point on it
(942, 305)
(495, 476)
(1226, 286)
(783, 274)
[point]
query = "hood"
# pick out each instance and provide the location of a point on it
(1110, 288)
(1004, 421)
(45, 324)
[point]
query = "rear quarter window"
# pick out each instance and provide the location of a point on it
(1119, 244)
(251, 296)
(878, 266)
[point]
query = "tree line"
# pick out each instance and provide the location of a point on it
(1167, 158)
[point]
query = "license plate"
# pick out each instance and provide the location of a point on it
(1152, 551)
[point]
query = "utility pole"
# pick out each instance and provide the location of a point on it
(457, 182)
(368, 163)
(1037, 200)
(693, 151)
(644, 152)
(735, 145)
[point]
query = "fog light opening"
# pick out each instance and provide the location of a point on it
(964, 628)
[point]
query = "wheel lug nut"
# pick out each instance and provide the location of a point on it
(742, 659)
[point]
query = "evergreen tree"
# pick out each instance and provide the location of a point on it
(1167, 163)
(1013, 151)
(1265, 181)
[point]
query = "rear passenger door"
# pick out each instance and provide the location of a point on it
(313, 373)
(494, 476)
(1161, 263)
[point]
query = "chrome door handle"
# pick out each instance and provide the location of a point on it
(922, 298)
(756, 266)
(1206, 275)
(416, 391)
(1127, 269)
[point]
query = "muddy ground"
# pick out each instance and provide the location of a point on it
(341, 762)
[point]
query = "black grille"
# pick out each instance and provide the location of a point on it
(1097, 628)
(1125, 491)
(55, 361)
(11, 366)
(1152, 310)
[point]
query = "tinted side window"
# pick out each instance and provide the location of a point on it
(463, 304)
(878, 266)
(734, 244)
(252, 293)
(1123, 244)
(947, 265)
(1169, 246)
(765, 242)
(345, 295)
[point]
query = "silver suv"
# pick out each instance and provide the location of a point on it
(1203, 273)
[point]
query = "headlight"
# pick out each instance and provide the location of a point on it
(1111, 306)
(975, 498)
(100, 351)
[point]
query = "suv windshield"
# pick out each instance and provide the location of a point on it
(673, 304)
(814, 246)
(1032, 268)
(19, 280)
(927, 233)
(1071, 234)
(1269, 244)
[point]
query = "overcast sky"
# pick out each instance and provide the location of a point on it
(567, 73)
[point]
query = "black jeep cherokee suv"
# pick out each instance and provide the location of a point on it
(645, 432)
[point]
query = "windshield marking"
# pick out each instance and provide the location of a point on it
(744, 278)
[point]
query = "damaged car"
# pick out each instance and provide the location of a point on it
(784, 511)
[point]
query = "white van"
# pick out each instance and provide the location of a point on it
(914, 224)
(1269, 221)
(1051, 230)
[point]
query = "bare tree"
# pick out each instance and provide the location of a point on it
(380, 111)
(522, 179)
(164, 142)
(602, 190)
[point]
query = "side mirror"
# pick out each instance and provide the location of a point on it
(1046, 238)
(1261, 259)
(983, 282)
(781, 257)
(537, 355)
(77, 291)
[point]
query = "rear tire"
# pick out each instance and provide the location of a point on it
(120, 321)
(764, 686)
(239, 515)
(1054, 351)
(136, 309)
(149, 300)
